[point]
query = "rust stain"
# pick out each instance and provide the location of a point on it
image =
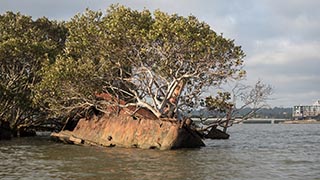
(141, 130)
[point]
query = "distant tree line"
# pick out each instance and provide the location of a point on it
(276, 112)
(264, 112)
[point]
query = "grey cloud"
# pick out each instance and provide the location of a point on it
(281, 38)
(59, 10)
(299, 81)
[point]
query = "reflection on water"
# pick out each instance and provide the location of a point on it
(253, 152)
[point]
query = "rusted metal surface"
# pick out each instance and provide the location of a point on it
(123, 129)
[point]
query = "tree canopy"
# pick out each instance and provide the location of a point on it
(159, 61)
(154, 60)
(24, 45)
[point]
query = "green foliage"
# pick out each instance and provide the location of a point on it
(24, 45)
(183, 50)
(185, 42)
(136, 56)
(57, 68)
(96, 51)
(75, 74)
(221, 102)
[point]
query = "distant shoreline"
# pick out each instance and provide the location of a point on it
(308, 121)
(268, 121)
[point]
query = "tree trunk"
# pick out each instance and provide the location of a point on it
(227, 120)
(5, 130)
(174, 99)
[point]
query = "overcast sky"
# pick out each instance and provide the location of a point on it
(280, 37)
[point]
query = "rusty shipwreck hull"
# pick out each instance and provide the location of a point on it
(128, 131)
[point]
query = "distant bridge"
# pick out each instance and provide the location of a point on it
(263, 121)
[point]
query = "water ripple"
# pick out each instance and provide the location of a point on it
(253, 152)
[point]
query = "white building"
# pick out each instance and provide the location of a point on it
(306, 112)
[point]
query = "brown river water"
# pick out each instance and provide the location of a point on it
(254, 151)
